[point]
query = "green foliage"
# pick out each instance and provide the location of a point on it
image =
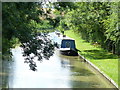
(96, 22)
(20, 23)
(62, 26)
(112, 31)
(44, 25)
(60, 10)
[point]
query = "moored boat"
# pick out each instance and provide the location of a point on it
(68, 47)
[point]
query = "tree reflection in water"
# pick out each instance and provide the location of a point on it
(38, 47)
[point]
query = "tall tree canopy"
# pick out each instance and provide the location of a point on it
(20, 23)
(96, 22)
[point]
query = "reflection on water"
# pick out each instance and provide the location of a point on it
(58, 72)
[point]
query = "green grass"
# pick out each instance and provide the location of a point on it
(105, 61)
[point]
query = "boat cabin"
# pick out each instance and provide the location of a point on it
(68, 43)
(67, 47)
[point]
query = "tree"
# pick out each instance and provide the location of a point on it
(112, 32)
(62, 8)
(20, 23)
(95, 22)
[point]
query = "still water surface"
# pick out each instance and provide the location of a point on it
(57, 72)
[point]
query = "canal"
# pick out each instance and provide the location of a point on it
(58, 72)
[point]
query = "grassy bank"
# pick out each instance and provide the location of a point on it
(106, 62)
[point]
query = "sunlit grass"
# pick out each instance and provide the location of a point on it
(105, 61)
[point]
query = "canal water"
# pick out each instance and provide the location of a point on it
(58, 72)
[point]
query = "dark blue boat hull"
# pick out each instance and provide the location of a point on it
(69, 52)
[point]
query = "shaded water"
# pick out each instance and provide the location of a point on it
(58, 72)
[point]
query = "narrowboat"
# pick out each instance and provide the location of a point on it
(67, 46)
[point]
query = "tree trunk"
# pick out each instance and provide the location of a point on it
(113, 48)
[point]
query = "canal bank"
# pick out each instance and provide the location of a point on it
(107, 64)
(97, 69)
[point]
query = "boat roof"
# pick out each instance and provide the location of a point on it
(64, 49)
(65, 38)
